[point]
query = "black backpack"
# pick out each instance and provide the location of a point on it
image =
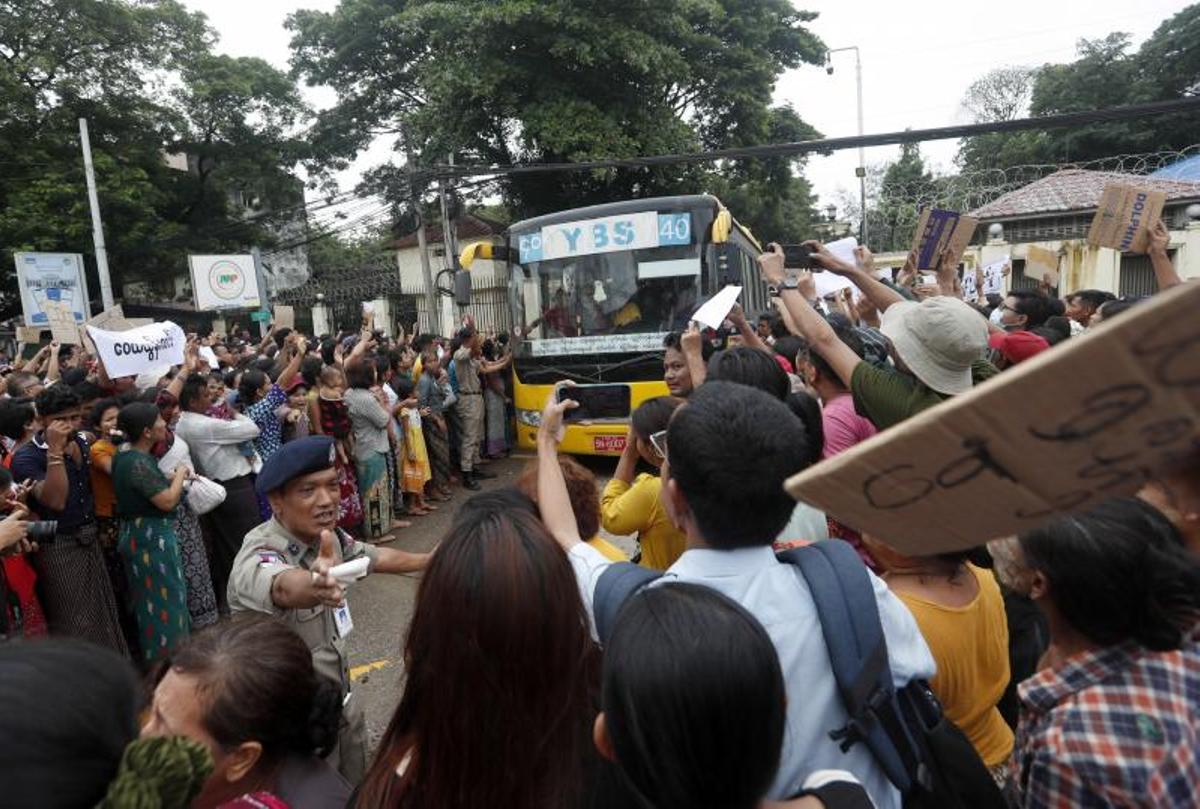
(925, 755)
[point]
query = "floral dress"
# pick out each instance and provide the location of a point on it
(148, 544)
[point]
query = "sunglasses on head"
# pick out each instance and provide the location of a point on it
(658, 441)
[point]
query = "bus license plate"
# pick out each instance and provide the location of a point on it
(608, 443)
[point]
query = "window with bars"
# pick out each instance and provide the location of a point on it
(1018, 280)
(1137, 275)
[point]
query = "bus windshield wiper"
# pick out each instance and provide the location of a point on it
(564, 373)
(631, 361)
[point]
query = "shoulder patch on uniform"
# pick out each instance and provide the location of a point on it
(269, 557)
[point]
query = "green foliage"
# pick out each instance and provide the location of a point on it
(1106, 74)
(905, 181)
(144, 76)
(514, 81)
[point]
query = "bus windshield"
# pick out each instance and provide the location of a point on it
(633, 292)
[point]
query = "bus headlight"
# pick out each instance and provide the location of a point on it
(531, 417)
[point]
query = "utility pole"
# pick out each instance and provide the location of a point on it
(449, 239)
(431, 299)
(261, 277)
(861, 171)
(106, 296)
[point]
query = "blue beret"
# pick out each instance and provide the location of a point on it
(303, 456)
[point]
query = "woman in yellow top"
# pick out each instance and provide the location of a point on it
(631, 505)
(960, 611)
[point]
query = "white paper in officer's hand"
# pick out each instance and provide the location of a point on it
(349, 572)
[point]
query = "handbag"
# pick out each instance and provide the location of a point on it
(204, 495)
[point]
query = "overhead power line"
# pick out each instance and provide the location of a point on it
(1186, 104)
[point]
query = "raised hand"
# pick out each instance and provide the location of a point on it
(554, 414)
(1160, 238)
(770, 265)
(325, 587)
(58, 434)
(690, 340)
(824, 260)
(13, 529)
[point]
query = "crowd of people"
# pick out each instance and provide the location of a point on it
(543, 667)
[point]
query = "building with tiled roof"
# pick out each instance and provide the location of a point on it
(1077, 191)
(1056, 213)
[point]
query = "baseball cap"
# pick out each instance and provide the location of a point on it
(1018, 346)
(937, 339)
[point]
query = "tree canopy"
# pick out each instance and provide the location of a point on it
(1106, 74)
(146, 78)
(510, 81)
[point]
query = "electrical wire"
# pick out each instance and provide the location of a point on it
(1185, 104)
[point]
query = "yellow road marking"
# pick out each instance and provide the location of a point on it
(367, 668)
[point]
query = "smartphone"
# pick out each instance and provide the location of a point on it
(928, 279)
(596, 402)
(797, 256)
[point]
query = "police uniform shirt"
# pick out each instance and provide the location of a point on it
(270, 549)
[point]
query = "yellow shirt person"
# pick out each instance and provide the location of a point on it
(637, 508)
(970, 645)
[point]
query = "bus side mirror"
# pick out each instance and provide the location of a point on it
(462, 288)
(477, 250)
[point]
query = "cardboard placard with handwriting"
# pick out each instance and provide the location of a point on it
(111, 320)
(939, 231)
(62, 323)
(285, 317)
(219, 329)
(1057, 434)
(1042, 264)
(1124, 216)
(30, 335)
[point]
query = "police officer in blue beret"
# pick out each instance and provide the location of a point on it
(283, 570)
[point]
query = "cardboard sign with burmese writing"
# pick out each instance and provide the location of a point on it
(1088, 420)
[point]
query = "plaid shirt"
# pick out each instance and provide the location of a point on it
(1115, 727)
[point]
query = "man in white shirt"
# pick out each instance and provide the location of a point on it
(221, 451)
(728, 452)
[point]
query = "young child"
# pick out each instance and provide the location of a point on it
(414, 465)
(334, 419)
(293, 414)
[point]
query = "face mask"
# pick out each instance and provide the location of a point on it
(995, 316)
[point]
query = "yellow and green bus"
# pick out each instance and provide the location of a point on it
(597, 289)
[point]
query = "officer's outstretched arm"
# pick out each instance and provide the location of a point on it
(391, 560)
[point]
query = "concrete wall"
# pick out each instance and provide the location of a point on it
(488, 280)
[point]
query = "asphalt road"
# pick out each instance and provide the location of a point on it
(382, 605)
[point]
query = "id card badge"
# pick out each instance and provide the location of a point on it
(341, 617)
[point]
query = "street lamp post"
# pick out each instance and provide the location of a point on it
(861, 171)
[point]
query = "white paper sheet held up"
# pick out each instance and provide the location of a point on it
(718, 307)
(830, 283)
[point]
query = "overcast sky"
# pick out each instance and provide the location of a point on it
(918, 59)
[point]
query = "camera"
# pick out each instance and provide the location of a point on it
(797, 256)
(41, 531)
